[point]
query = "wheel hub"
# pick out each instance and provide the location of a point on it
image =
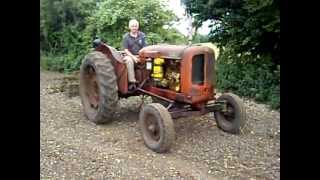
(230, 113)
(152, 128)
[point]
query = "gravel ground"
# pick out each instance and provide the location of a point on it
(74, 148)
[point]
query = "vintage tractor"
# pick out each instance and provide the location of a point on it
(179, 78)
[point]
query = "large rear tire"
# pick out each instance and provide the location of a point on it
(98, 88)
(234, 118)
(157, 127)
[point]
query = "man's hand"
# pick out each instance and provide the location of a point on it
(136, 59)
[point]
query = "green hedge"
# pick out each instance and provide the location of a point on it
(259, 79)
(65, 63)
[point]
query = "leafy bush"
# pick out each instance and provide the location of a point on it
(67, 28)
(245, 25)
(259, 79)
(248, 33)
(66, 63)
(198, 38)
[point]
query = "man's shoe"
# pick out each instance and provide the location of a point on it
(132, 86)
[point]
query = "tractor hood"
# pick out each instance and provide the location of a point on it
(163, 50)
(172, 51)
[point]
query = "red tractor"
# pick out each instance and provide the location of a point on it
(179, 78)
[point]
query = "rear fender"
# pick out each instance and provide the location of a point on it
(119, 67)
(110, 52)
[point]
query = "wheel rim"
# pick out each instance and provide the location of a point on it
(152, 128)
(230, 113)
(91, 89)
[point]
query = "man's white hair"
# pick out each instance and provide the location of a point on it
(133, 22)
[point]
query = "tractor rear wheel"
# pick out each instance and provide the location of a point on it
(157, 127)
(98, 88)
(234, 118)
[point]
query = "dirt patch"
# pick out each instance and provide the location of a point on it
(74, 148)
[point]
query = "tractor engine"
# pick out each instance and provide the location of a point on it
(178, 72)
(165, 73)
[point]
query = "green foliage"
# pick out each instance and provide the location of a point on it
(61, 21)
(68, 27)
(252, 79)
(248, 32)
(66, 63)
(245, 25)
(172, 36)
(169, 36)
(198, 38)
(154, 38)
(112, 23)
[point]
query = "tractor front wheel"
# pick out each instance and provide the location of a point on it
(233, 118)
(157, 127)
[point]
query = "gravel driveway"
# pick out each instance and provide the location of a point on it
(74, 148)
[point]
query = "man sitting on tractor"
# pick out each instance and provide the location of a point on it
(133, 41)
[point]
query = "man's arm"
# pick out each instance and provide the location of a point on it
(131, 55)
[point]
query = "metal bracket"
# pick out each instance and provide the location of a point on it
(217, 106)
(170, 105)
(155, 95)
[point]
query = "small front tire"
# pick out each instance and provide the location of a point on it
(157, 127)
(234, 118)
